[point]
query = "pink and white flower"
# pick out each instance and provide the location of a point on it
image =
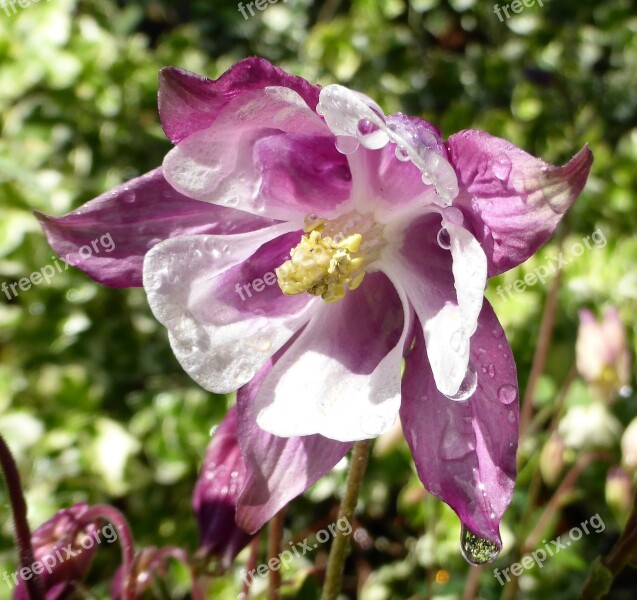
(382, 236)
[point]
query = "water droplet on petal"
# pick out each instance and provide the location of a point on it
(467, 387)
(401, 154)
(346, 144)
(507, 393)
(502, 167)
(492, 371)
(497, 332)
(477, 550)
(444, 239)
(370, 135)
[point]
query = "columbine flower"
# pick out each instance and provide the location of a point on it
(64, 552)
(603, 357)
(300, 235)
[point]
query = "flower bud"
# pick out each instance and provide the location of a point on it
(64, 548)
(552, 459)
(587, 427)
(150, 563)
(629, 447)
(619, 493)
(216, 492)
(602, 353)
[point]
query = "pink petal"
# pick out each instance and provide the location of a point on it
(220, 331)
(513, 200)
(278, 469)
(341, 377)
(221, 164)
(189, 102)
(108, 237)
(465, 451)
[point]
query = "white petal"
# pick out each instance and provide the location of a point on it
(219, 344)
(317, 385)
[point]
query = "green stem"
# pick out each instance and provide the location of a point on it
(275, 534)
(604, 570)
(341, 543)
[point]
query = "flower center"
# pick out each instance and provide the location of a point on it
(332, 257)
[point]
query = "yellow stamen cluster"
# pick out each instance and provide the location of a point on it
(321, 265)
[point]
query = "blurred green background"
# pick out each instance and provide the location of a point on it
(92, 401)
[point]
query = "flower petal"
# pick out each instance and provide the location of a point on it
(445, 287)
(189, 102)
(199, 288)
(513, 200)
(277, 469)
(219, 165)
(465, 451)
(356, 119)
(108, 237)
(341, 377)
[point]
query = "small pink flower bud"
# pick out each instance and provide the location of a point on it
(619, 493)
(602, 353)
(63, 550)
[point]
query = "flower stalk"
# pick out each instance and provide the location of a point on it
(341, 544)
(19, 508)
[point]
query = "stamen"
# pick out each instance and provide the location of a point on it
(329, 265)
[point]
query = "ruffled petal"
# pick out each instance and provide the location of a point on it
(277, 469)
(465, 451)
(219, 165)
(445, 285)
(341, 377)
(357, 120)
(189, 102)
(108, 237)
(223, 324)
(513, 200)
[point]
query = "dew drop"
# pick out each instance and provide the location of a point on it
(401, 154)
(492, 371)
(477, 550)
(502, 167)
(444, 239)
(497, 332)
(346, 144)
(625, 391)
(507, 393)
(467, 387)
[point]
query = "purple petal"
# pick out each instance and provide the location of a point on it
(189, 102)
(216, 493)
(221, 165)
(347, 363)
(277, 469)
(513, 200)
(465, 451)
(108, 237)
(223, 324)
(445, 285)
